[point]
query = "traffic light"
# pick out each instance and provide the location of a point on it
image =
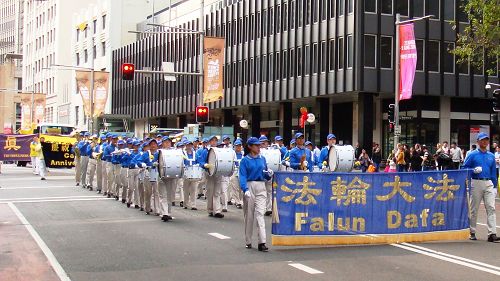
(202, 114)
(390, 113)
(496, 101)
(391, 127)
(128, 71)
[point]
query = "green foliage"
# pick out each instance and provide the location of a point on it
(479, 42)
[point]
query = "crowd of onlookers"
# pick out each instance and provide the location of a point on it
(416, 158)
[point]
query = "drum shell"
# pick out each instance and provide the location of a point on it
(193, 173)
(273, 158)
(221, 161)
(341, 158)
(170, 163)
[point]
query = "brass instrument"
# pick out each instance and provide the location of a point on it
(77, 151)
(302, 160)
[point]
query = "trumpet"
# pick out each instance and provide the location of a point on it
(97, 155)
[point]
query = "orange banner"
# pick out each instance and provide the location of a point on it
(38, 112)
(100, 97)
(213, 61)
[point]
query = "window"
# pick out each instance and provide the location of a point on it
(351, 6)
(86, 55)
(385, 52)
(277, 17)
(264, 23)
(370, 6)
(103, 48)
(315, 58)
(292, 14)
(77, 34)
(94, 26)
(315, 12)
(340, 49)
(240, 31)
(323, 56)
(300, 14)
(340, 8)
(307, 8)
(291, 63)
(449, 10)
(252, 26)
(104, 22)
(331, 8)
(245, 29)
(449, 58)
(331, 49)
(94, 51)
(258, 70)
(386, 7)
(277, 64)
(264, 68)
(420, 54)
(402, 7)
(307, 59)
(284, 17)
(257, 26)
(370, 50)
(284, 63)
(323, 10)
(350, 51)
(77, 59)
(478, 69)
(463, 68)
(271, 68)
(433, 55)
(271, 21)
(462, 15)
(418, 8)
(433, 8)
(299, 62)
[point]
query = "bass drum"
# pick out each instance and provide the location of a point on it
(193, 173)
(171, 163)
(341, 158)
(221, 161)
(273, 158)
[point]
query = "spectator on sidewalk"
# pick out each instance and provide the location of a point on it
(456, 156)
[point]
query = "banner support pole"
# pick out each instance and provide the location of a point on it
(396, 84)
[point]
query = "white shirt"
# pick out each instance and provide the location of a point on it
(456, 154)
(497, 159)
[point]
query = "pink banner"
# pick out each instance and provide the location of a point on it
(407, 60)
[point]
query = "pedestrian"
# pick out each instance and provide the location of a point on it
(357, 151)
(365, 161)
(456, 156)
(483, 186)
(253, 175)
(400, 159)
(428, 162)
(497, 159)
(42, 169)
(473, 147)
(33, 155)
(415, 160)
(376, 157)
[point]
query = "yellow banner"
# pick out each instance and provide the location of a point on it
(38, 111)
(213, 61)
(100, 97)
(83, 82)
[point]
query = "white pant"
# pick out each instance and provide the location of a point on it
(100, 173)
(78, 169)
(42, 169)
(84, 166)
(236, 192)
(132, 186)
(34, 165)
(115, 187)
(108, 188)
(202, 183)
(214, 192)
(179, 189)
(483, 190)
(254, 207)
(91, 169)
(225, 192)
(150, 189)
(166, 192)
(269, 190)
(189, 187)
(124, 182)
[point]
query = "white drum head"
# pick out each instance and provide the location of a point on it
(212, 160)
(341, 158)
(333, 160)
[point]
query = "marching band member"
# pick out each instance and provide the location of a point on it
(309, 145)
(278, 140)
(323, 156)
(227, 141)
(223, 181)
(125, 163)
(139, 196)
(253, 175)
(189, 186)
(76, 151)
(115, 159)
(100, 169)
(108, 157)
(203, 182)
(179, 183)
(92, 161)
(146, 162)
(269, 184)
(214, 190)
(300, 156)
(132, 190)
(166, 188)
(84, 158)
(237, 194)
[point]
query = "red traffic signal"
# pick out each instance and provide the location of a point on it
(128, 71)
(202, 114)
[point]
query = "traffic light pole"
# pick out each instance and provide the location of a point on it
(202, 51)
(396, 85)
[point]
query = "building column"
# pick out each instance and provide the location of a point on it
(254, 118)
(228, 118)
(365, 121)
(444, 119)
(286, 121)
(181, 121)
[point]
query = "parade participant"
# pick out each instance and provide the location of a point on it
(166, 188)
(323, 155)
(42, 169)
(33, 155)
(253, 175)
(92, 162)
(115, 159)
(133, 172)
(149, 161)
(84, 153)
(483, 185)
(223, 181)
(300, 156)
(227, 141)
(309, 145)
(269, 184)
(264, 142)
(136, 164)
(125, 163)
(203, 182)
(108, 157)
(78, 160)
(196, 143)
(100, 168)
(189, 186)
(179, 183)
(236, 192)
(279, 143)
(214, 190)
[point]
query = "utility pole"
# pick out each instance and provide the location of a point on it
(202, 46)
(91, 120)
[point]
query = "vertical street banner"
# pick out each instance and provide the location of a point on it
(83, 83)
(369, 208)
(407, 60)
(213, 61)
(38, 111)
(26, 111)
(101, 86)
(15, 147)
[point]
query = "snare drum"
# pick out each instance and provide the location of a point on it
(193, 173)
(341, 158)
(171, 163)
(221, 161)
(273, 158)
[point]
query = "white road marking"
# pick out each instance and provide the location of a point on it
(33, 187)
(486, 225)
(63, 276)
(220, 236)
(55, 197)
(59, 200)
(305, 268)
(450, 258)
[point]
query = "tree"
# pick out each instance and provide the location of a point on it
(479, 42)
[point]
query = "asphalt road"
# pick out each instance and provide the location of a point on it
(52, 230)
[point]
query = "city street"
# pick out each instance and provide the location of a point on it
(52, 230)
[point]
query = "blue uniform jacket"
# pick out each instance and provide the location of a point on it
(202, 156)
(295, 156)
(190, 158)
(125, 160)
(484, 159)
(107, 152)
(251, 169)
(323, 156)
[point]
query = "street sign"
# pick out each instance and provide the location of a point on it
(168, 67)
(244, 124)
(397, 130)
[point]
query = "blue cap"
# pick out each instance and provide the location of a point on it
(159, 136)
(212, 137)
(220, 144)
(184, 139)
(121, 142)
(292, 141)
(103, 137)
(253, 141)
(299, 135)
(186, 142)
(137, 143)
(196, 139)
(113, 136)
(205, 140)
(151, 140)
(263, 138)
(331, 137)
(238, 142)
(278, 138)
(482, 136)
(308, 143)
(130, 141)
(107, 135)
(87, 134)
(225, 137)
(165, 138)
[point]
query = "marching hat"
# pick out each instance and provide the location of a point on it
(114, 136)
(225, 137)
(482, 136)
(331, 136)
(103, 137)
(308, 143)
(278, 138)
(205, 140)
(263, 138)
(121, 142)
(165, 138)
(212, 137)
(299, 135)
(253, 141)
(292, 141)
(238, 142)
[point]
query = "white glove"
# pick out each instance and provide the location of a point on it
(287, 163)
(269, 172)
(247, 193)
(478, 170)
(306, 163)
(143, 165)
(207, 166)
(155, 164)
